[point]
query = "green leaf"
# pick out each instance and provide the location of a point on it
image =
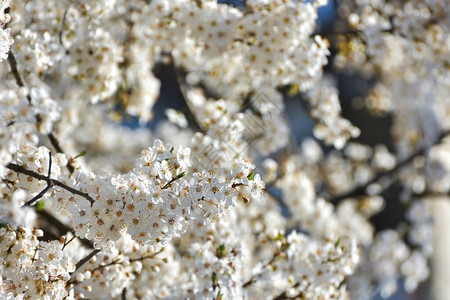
(337, 242)
(82, 153)
(251, 176)
(280, 237)
(220, 251)
(214, 278)
(182, 174)
(40, 205)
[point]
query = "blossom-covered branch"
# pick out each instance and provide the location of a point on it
(361, 190)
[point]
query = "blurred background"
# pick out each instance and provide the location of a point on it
(374, 130)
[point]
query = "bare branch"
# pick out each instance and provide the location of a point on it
(57, 146)
(38, 196)
(67, 243)
(85, 259)
(13, 63)
(182, 85)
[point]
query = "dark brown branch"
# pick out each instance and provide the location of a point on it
(114, 262)
(61, 227)
(63, 24)
(57, 146)
(48, 236)
(40, 195)
(67, 243)
(49, 184)
(284, 295)
(182, 86)
(13, 63)
(55, 143)
(361, 190)
(85, 259)
(22, 170)
(81, 263)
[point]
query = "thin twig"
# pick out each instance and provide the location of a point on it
(173, 180)
(65, 244)
(63, 24)
(182, 86)
(13, 63)
(40, 195)
(49, 184)
(118, 261)
(271, 261)
(146, 257)
(114, 262)
(86, 258)
(57, 146)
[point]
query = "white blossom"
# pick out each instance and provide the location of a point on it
(223, 198)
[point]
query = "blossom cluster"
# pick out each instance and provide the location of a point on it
(303, 268)
(326, 110)
(153, 203)
(32, 269)
(110, 271)
(405, 44)
(389, 259)
(383, 261)
(21, 121)
(231, 205)
(261, 125)
(263, 46)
